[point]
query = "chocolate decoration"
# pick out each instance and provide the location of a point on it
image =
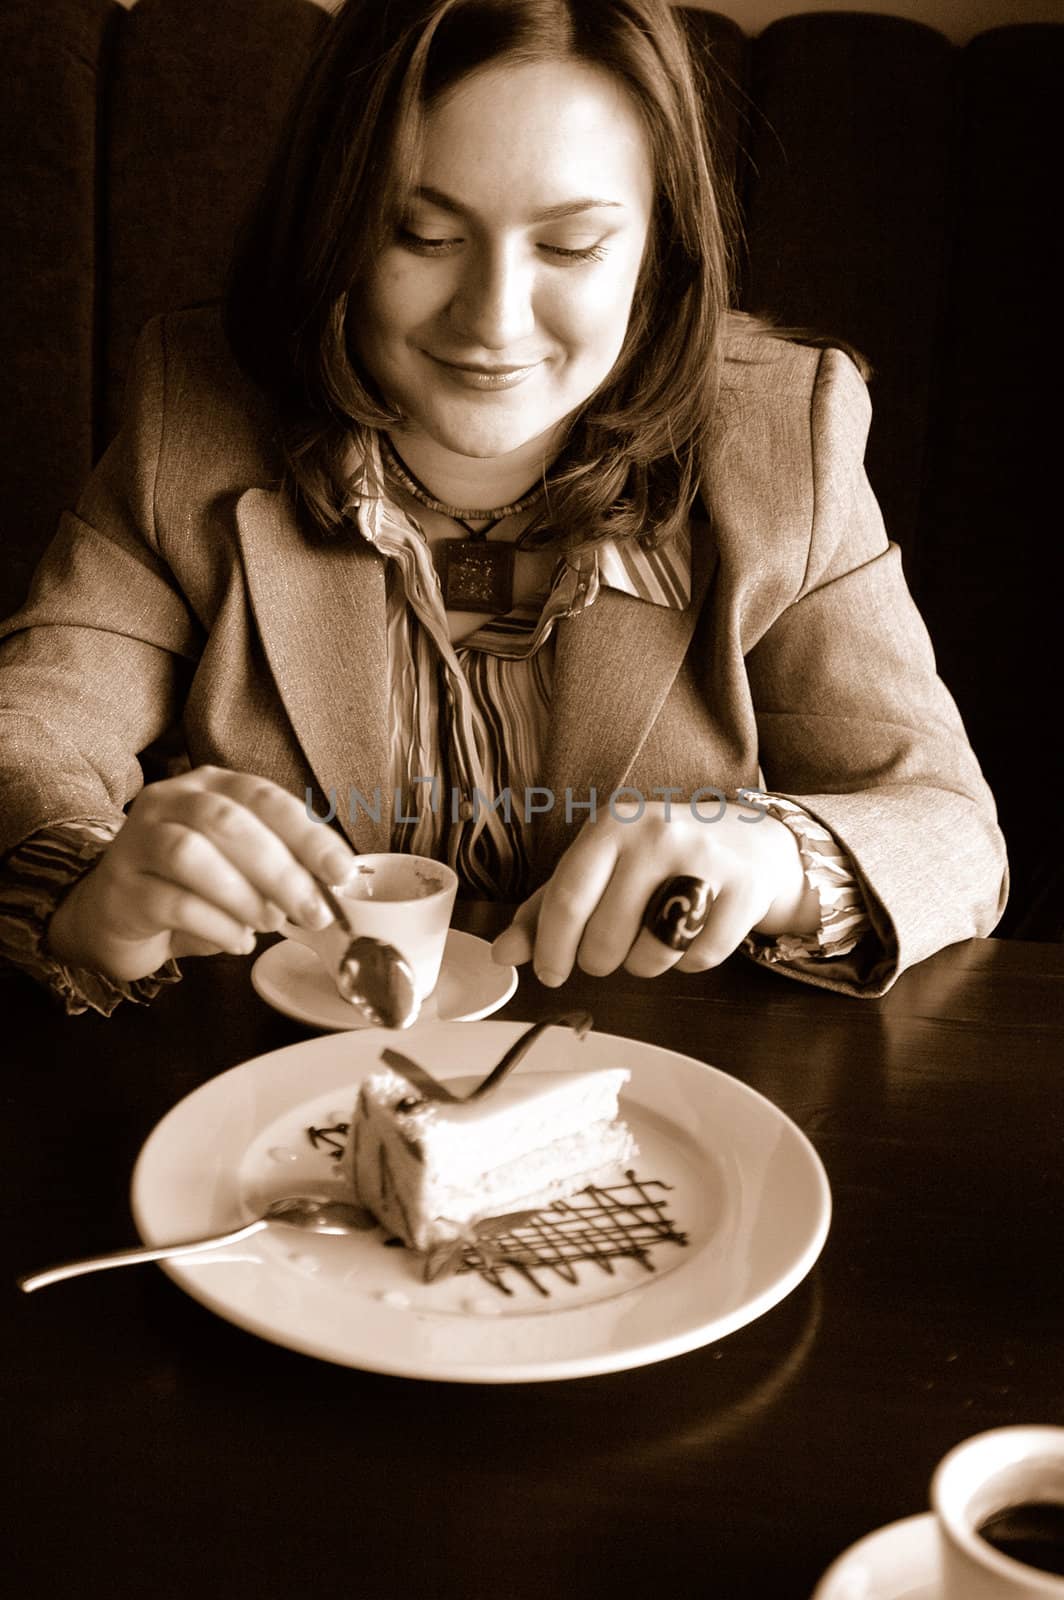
(598, 1226)
(331, 1139)
(420, 1079)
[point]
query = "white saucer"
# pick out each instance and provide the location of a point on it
(290, 978)
(898, 1562)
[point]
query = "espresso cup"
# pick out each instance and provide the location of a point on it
(998, 1499)
(406, 901)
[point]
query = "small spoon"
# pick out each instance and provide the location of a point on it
(311, 1214)
(372, 974)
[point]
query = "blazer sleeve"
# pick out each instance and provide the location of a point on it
(856, 726)
(95, 666)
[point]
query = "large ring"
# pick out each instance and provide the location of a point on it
(677, 910)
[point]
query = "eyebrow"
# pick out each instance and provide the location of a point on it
(566, 208)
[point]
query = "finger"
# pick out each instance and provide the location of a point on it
(613, 927)
(675, 915)
(137, 903)
(317, 848)
(570, 897)
(515, 944)
(649, 958)
(186, 859)
(319, 852)
(189, 917)
(258, 856)
(733, 913)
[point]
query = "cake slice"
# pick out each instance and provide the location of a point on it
(429, 1169)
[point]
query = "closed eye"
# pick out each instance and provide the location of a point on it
(594, 252)
(425, 247)
(438, 247)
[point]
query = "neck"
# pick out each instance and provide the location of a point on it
(473, 480)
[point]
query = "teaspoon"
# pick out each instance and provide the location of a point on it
(312, 1215)
(373, 975)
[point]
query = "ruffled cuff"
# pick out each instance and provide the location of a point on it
(844, 919)
(33, 880)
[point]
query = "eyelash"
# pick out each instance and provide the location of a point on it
(439, 247)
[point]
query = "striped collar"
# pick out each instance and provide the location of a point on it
(660, 577)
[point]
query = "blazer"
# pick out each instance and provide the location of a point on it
(183, 589)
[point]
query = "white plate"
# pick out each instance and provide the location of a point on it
(747, 1188)
(290, 978)
(898, 1562)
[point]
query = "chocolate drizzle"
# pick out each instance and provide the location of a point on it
(331, 1139)
(598, 1226)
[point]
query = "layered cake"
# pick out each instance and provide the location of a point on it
(429, 1169)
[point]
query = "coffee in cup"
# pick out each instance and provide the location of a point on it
(999, 1502)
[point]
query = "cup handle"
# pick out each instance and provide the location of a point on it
(313, 938)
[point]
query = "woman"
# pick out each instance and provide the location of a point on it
(497, 514)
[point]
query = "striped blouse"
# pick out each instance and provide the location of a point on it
(475, 714)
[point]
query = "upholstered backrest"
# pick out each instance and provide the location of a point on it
(896, 192)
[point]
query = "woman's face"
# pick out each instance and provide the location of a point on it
(502, 302)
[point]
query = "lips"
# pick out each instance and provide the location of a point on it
(474, 375)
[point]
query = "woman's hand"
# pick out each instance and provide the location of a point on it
(202, 863)
(591, 910)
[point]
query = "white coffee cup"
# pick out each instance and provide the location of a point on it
(980, 1478)
(404, 900)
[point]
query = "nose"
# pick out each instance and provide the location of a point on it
(493, 307)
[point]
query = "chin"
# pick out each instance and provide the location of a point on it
(481, 440)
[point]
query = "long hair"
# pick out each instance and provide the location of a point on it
(632, 456)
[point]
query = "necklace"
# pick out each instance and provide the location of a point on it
(397, 469)
(477, 576)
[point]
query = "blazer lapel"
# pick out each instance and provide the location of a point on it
(320, 611)
(614, 665)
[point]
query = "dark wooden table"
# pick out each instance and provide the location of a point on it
(159, 1451)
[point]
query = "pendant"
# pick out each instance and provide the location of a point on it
(478, 576)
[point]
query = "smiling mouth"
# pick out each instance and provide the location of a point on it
(472, 376)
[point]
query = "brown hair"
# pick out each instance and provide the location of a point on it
(632, 460)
